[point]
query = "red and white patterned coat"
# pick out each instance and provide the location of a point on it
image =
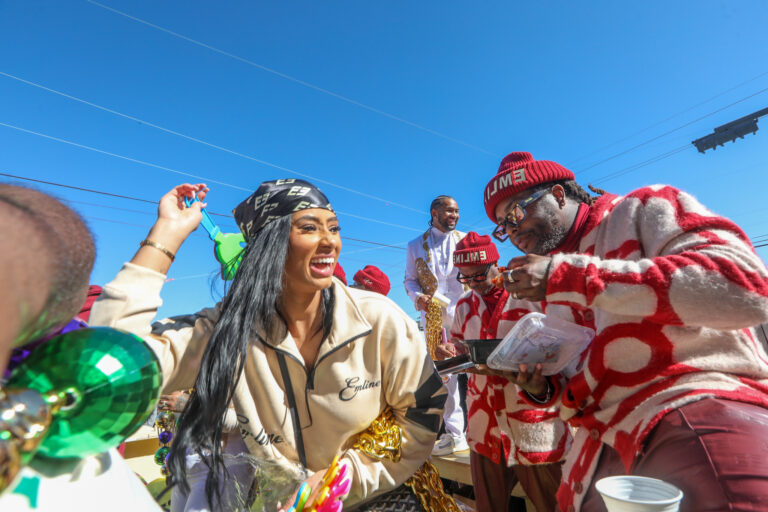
(671, 290)
(497, 416)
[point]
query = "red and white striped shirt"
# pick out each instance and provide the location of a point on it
(497, 416)
(671, 290)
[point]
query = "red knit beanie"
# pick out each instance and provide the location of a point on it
(339, 273)
(372, 279)
(474, 249)
(517, 172)
(94, 291)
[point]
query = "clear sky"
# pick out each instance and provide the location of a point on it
(389, 103)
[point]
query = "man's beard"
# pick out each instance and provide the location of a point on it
(552, 239)
(442, 226)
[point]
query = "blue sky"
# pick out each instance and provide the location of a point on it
(391, 102)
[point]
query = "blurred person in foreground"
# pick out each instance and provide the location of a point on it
(675, 383)
(307, 363)
(45, 265)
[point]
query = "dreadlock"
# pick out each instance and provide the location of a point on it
(572, 190)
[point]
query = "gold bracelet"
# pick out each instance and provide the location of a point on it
(159, 247)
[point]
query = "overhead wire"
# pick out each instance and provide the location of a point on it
(621, 153)
(156, 166)
(206, 143)
(634, 167)
(293, 79)
(127, 158)
(14, 176)
(668, 118)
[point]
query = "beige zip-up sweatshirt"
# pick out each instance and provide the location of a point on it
(373, 358)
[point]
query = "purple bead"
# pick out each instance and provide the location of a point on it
(165, 436)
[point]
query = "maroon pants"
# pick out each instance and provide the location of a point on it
(715, 450)
(494, 483)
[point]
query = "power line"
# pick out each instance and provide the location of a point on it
(142, 162)
(669, 118)
(152, 202)
(127, 158)
(293, 79)
(634, 167)
(374, 243)
(206, 143)
(670, 131)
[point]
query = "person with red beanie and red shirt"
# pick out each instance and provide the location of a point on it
(338, 273)
(675, 383)
(372, 279)
(509, 440)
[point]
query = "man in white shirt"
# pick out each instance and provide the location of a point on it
(430, 276)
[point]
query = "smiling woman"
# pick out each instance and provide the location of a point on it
(307, 363)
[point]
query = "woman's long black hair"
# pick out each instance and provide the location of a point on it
(250, 305)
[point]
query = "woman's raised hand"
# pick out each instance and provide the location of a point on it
(175, 213)
(175, 221)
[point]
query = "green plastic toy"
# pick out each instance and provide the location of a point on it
(228, 247)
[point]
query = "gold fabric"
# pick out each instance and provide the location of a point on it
(433, 331)
(382, 440)
(427, 486)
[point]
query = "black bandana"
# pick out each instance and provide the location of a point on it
(275, 199)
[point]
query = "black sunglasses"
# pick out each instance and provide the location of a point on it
(515, 216)
(474, 277)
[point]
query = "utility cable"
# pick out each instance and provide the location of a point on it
(293, 79)
(127, 158)
(206, 143)
(670, 131)
(668, 118)
(152, 202)
(631, 168)
(208, 180)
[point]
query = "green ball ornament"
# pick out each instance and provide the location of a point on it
(160, 455)
(104, 384)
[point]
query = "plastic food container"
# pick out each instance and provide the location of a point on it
(479, 350)
(537, 338)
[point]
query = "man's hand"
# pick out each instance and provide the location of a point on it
(451, 349)
(527, 277)
(534, 383)
(175, 401)
(422, 302)
(444, 351)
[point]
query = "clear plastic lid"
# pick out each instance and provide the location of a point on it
(537, 338)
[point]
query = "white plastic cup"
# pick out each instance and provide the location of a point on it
(638, 494)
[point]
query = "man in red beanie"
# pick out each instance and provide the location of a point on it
(372, 279)
(675, 384)
(509, 440)
(338, 273)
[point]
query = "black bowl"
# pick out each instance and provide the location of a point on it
(479, 350)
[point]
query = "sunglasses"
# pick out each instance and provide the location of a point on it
(515, 216)
(474, 277)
